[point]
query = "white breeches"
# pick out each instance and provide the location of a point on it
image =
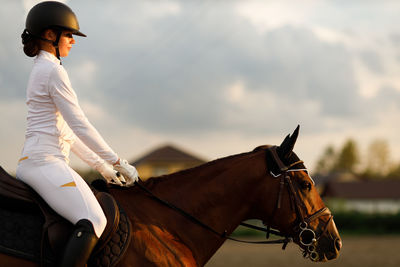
(63, 189)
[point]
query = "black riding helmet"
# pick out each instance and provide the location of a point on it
(51, 15)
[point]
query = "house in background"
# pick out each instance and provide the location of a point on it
(322, 180)
(165, 160)
(368, 196)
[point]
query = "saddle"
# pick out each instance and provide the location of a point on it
(20, 201)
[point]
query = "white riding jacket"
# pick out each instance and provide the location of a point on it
(55, 123)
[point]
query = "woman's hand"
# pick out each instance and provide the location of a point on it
(128, 171)
(110, 174)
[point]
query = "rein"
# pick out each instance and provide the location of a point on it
(307, 236)
(205, 226)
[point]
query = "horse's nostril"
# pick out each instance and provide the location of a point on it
(338, 244)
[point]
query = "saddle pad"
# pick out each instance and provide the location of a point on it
(114, 250)
(21, 234)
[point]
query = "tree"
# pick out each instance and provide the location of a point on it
(378, 162)
(348, 158)
(394, 172)
(327, 161)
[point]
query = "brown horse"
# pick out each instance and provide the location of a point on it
(269, 183)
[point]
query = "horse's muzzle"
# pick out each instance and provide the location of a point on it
(325, 249)
(323, 246)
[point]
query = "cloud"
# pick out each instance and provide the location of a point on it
(173, 78)
(223, 76)
(268, 15)
(275, 65)
(12, 133)
(28, 4)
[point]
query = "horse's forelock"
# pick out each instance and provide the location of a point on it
(273, 166)
(263, 147)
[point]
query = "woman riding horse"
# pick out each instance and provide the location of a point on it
(55, 125)
(185, 217)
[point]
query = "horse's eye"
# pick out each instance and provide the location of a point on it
(306, 185)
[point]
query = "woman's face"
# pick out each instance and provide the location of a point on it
(65, 43)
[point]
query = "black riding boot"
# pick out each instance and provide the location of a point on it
(80, 245)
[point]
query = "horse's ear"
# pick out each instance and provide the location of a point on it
(286, 148)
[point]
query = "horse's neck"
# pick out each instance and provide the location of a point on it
(212, 185)
(218, 193)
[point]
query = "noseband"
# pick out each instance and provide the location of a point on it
(307, 237)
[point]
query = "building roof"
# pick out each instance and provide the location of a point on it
(384, 189)
(168, 154)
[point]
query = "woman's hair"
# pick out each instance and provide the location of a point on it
(31, 44)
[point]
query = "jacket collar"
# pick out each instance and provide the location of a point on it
(44, 55)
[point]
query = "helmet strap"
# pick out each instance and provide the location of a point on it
(55, 44)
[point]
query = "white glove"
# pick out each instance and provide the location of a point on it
(128, 171)
(110, 175)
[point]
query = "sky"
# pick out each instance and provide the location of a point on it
(217, 78)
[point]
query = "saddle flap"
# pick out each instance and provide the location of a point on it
(111, 210)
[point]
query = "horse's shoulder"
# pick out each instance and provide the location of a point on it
(161, 246)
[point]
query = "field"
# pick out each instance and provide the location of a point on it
(365, 251)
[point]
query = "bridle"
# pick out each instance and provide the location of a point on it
(307, 237)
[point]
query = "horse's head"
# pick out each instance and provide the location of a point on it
(297, 210)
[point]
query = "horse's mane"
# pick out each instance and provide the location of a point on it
(154, 181)
(194, 171)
